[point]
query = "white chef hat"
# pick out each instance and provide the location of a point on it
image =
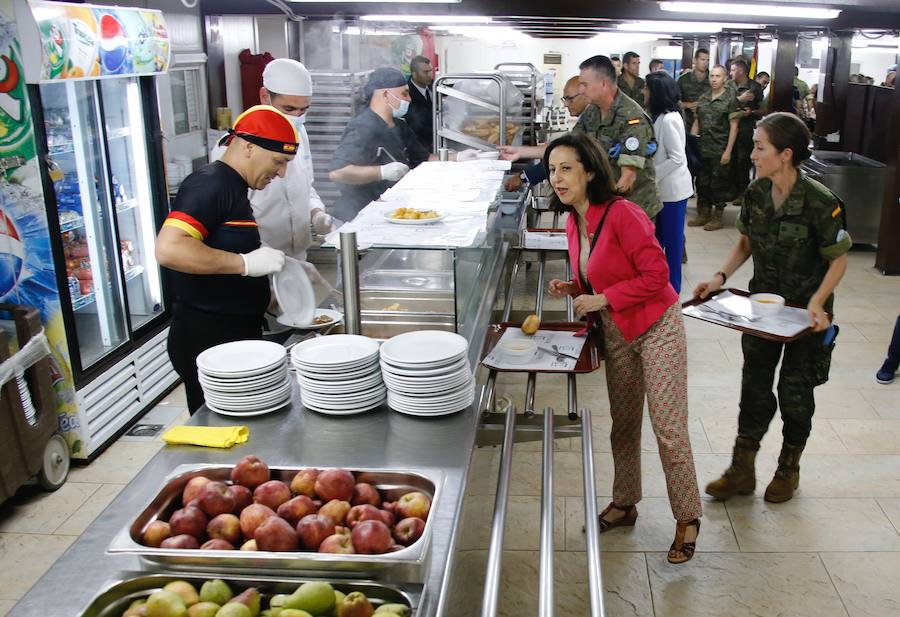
(286, 76)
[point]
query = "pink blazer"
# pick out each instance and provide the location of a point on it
(627, 265)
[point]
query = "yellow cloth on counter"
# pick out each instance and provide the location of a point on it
(209, 436)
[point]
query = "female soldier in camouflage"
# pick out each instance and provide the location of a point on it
(718, 132)
(792, 227)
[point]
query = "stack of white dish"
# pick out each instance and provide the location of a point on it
(244, 378)
(339, 374)
(427, 373)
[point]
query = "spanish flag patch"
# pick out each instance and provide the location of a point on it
(186, 223)
(835, 212)
(633, 121)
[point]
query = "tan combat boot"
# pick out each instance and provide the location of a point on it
(787, 476)
(702, 218)
(715, 223)
(740, 478)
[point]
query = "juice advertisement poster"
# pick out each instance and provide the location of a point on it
(26, 262)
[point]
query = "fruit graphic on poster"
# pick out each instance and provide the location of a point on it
(53, 35)
(115, 52)
(82, 50)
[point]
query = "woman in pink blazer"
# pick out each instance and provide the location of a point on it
(621, 286)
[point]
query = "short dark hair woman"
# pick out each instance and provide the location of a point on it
(673, 179)
(792, 228)
(622, 281)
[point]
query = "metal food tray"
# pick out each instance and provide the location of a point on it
(394, 483)
(118, 594)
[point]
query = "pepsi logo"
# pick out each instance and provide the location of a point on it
(113, 44)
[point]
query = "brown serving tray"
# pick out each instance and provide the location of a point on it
(117, 595)
(751, 331)
(392, 482)
(588, 361)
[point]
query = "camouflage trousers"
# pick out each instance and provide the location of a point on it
(740, 160)
(805, 365)
(715, 185)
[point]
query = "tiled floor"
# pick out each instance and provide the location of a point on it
(832, 551)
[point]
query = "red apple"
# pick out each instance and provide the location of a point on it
(217, 544)
(390, 506)
(313, 529)
(225, 527)
(180, 541)
(242, 496)
(304, 483)
(413, 504)
(409, 530)
(215, 499)
(387, 517)
(371, 537)
(250, 472)
(336, 510)
(272, 493)
(337, 543)
(364, 512)
(156, 532)
(335, 484)
(192, 488)
(253, 516)
(295, 509)
(365, 493)
(190, 521)
(276, 534)
(249, 545)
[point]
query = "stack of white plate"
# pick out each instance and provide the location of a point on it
(244, 378)
(427, 373)
(339, 374)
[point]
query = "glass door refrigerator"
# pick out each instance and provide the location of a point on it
(98, 135)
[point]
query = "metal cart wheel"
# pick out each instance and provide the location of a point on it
(56, 463)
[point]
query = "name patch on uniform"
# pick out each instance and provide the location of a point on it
(835, 212)
(792, 231)
(632, 144)
(634, 121)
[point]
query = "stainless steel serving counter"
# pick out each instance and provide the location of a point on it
(295, 437)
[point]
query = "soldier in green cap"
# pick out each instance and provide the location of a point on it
(623, 129)
(793, 228)
(630, 81)
(718, 132)
(693, 84)
(749, 96)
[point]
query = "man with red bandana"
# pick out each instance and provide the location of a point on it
(210, 243)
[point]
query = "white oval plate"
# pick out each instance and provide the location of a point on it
(440, 217)
(240, 358)
(294, 292)
(349, 411)
(258, 412)
(432, 372)
(336, 318)
(339, 387)
(424, 347)
(332, 351)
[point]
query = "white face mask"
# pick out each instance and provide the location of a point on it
(399, 112)
(298, 121)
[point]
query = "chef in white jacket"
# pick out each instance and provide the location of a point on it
(289, 207)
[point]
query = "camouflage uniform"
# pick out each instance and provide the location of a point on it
(714, 182)
(691, 91)
(628, 129)
(740, 156)
(792, 249)
(636, 93)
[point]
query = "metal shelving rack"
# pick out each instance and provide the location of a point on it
(526, 77)
(444, 90)
(338, 97)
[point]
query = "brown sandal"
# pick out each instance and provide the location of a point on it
(681, 551)
(628, 520)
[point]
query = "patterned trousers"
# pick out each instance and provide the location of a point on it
(654, 364)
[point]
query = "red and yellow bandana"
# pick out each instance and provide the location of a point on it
(268, 128)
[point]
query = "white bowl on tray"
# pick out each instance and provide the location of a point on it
(766, 304)
(517, 351)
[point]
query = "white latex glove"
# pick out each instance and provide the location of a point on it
(467, 155)
(322, 222)
(264, 260)
(394, 171)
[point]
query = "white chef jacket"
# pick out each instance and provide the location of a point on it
(282, 208)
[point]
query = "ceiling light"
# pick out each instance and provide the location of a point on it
(621, 38)
(684, 26)
(430, 19)
(485, 32)
(885, 42)
(756, 10)
(380, 1)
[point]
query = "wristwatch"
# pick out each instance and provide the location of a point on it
(723, 275)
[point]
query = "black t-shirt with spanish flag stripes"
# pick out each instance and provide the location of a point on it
(213, 207)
